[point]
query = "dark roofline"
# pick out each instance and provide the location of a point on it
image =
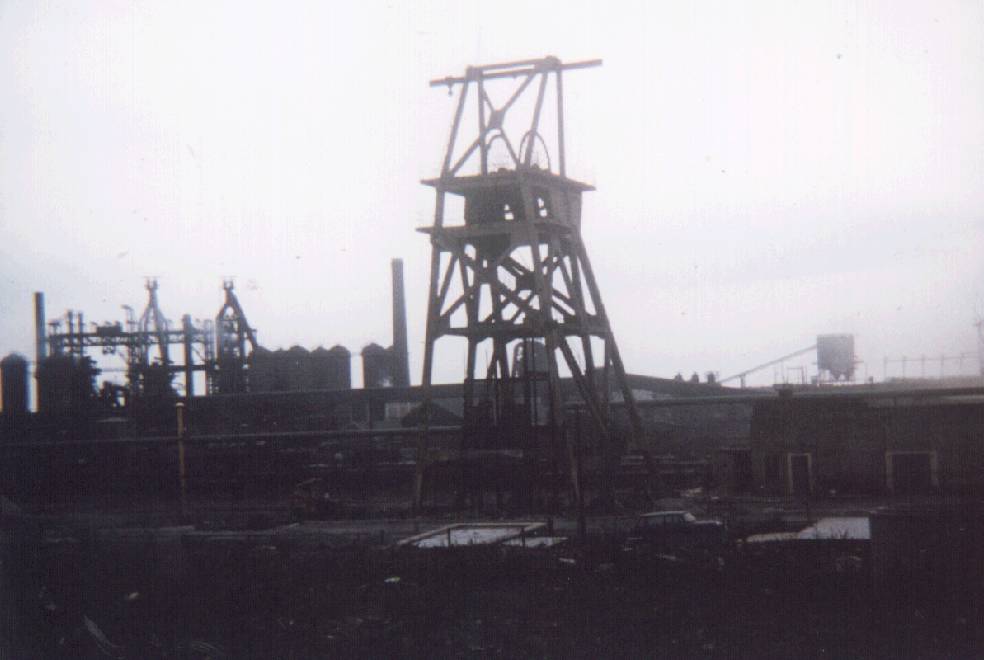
(820, 395)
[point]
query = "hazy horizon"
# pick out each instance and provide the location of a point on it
(766, 172)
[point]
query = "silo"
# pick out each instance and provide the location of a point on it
(376, 366)
(320, 365)
(331, 368)
(13, 381)
(298, 369)
(340, 371)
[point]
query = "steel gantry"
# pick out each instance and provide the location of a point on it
(144, 343)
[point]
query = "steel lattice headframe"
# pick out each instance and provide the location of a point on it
(514, 268)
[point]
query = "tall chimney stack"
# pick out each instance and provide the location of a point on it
(401, 366)
(40, 333)
(40, 341)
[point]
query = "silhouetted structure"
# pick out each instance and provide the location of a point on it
(232, 333)
(835, 355)
(66, 385)
(333, 368)
(516, 259)
(377, 366)
(144, 344)
(13, 381)
(401, 367)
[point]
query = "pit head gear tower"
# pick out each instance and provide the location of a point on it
(508, 265)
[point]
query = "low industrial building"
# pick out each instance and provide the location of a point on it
(868, 440)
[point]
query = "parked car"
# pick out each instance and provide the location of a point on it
(675, 531)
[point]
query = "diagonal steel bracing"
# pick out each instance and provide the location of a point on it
(513, 268)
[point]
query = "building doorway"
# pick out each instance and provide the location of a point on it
(800, 471)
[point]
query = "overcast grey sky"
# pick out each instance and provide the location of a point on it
(766, 171)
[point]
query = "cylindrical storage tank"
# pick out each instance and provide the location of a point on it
(376, 367)
(319, 368)
(339, 375)
(13, 382)
(332, 368)
(298, 369)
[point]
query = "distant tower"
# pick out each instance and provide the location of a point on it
(148, 375)
(232, 333)
(512, 267)
(401, 369)
(154, 326)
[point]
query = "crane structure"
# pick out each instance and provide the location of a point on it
(510, 268)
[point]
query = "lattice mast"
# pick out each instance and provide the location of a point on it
(514, 268)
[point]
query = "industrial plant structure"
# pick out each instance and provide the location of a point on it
(551, 420)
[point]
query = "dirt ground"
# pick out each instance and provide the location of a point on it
(78, 587)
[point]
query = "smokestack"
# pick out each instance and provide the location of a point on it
(40, 335)
(401, 366)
